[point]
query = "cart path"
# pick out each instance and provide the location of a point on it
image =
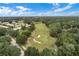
(13, 42)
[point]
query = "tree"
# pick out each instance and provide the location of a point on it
(23, 28)
(77, 38)
(54, 51)
(66, 50)
(31, 51)
(7, 50)
(5, 39)
(25, 32)
(13, 33)
(21, 39)
(73, 30)
(23, 35)
(65, 37)
(55, 29)
(2, 31)
(46, 52)
(76, 53)
(66, 26)
(32, 27)
(12, 51)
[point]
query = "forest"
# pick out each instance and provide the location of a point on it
(39, 36)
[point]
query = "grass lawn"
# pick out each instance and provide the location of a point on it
(46, 41)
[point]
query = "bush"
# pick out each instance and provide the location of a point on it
(21, 39)
(3, 31)
(13, 33)
(31, 51)
(7, 50)
(5, 39)
(46, 52)
(55, 29)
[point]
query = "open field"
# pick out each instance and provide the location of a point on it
(44, 41)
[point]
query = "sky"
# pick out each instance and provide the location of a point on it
(39, 9)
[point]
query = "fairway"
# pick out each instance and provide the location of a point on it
(40, 37)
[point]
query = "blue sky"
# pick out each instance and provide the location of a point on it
(39, 9)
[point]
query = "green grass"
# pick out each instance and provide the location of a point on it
(46, 40)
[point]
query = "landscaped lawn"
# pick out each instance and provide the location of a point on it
(46, 41)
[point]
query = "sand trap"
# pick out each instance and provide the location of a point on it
(36, 41)
(38, 36)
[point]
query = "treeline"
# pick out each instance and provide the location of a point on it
(32, 51)
(37, 18)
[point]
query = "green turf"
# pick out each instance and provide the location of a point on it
(46, 40)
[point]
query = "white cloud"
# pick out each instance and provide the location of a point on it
(7, 11)
(62, 9)
(57, 11)
(73, 13)
(24, 11)
(69, 6)
(56, 5)
(22, 8)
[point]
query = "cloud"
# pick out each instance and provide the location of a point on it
(73, 13)
(24, 11)
(62, 9)
(21, 11)
(5, 10)
(22, 8)
(56, 5)
(57, 11)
